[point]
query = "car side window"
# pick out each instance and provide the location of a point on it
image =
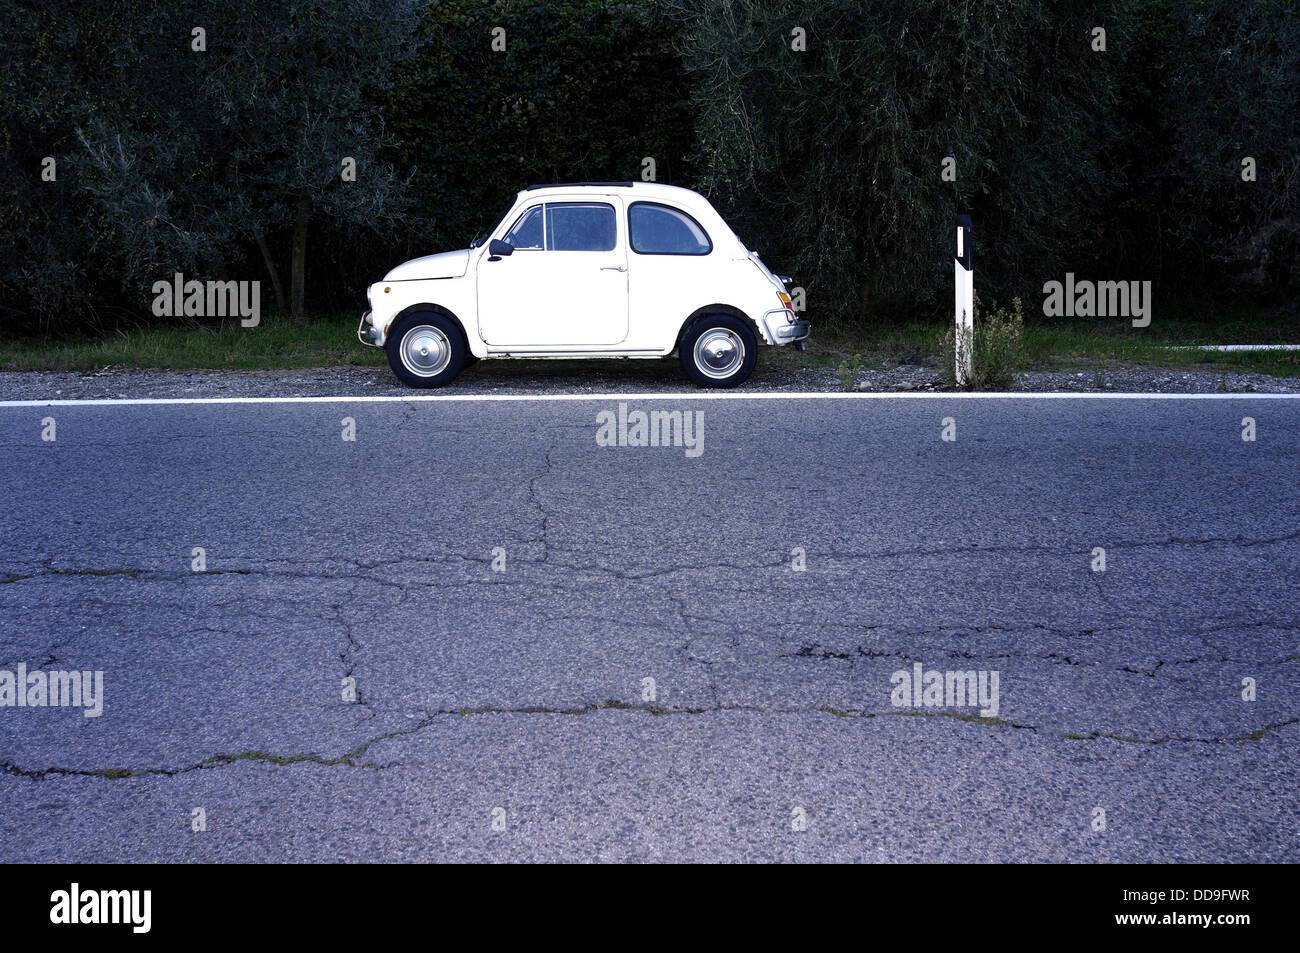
(527, 232)
(580, 226)
(659, 230)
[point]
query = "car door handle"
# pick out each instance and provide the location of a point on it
(613, 267)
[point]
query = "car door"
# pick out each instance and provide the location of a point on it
(565, 285)
(671, 272)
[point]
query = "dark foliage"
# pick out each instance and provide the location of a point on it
(1122, 164)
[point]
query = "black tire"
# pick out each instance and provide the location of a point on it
(708, 351)
(425, 349)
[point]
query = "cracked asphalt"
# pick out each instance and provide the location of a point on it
(505, 716)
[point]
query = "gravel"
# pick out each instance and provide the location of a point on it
(596, 377)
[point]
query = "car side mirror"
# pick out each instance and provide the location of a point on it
(497, 248)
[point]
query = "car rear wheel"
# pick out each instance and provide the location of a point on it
(718, 351)
(425, 349)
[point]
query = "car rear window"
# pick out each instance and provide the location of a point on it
(659, 230)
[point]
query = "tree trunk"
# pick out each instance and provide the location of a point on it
(298, 266)
(276, 287)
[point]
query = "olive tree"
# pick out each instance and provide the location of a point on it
(843, 137)
(186, 135)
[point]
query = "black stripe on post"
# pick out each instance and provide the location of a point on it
(962, 240)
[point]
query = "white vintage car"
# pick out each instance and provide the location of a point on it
(589, 269)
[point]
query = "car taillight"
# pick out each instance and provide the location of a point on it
(785, 300)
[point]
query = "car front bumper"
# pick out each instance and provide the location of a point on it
(368, 334)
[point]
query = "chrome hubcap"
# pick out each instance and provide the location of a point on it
(426, 351)
(719, 353)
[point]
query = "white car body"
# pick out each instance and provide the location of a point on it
(617, 301)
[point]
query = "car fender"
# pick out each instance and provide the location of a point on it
(390, 300)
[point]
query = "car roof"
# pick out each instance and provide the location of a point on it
(693, 202)
(636, 188)
(573, 185)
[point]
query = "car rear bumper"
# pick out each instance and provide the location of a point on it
(794, 332)
(782, 330)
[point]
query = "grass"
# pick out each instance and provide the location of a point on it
(322, 341)
(1080, 344)
(1063, 346)
(276, 343)
(996, 347)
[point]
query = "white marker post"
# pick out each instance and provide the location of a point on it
(964, 302)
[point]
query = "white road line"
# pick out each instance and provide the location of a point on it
(684, 396)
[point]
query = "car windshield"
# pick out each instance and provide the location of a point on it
(481, 236)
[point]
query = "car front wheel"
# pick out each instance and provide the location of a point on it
(425, 349)
(718, 351)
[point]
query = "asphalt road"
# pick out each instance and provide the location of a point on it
(504, 716)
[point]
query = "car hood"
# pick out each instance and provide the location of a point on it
(449, 264)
